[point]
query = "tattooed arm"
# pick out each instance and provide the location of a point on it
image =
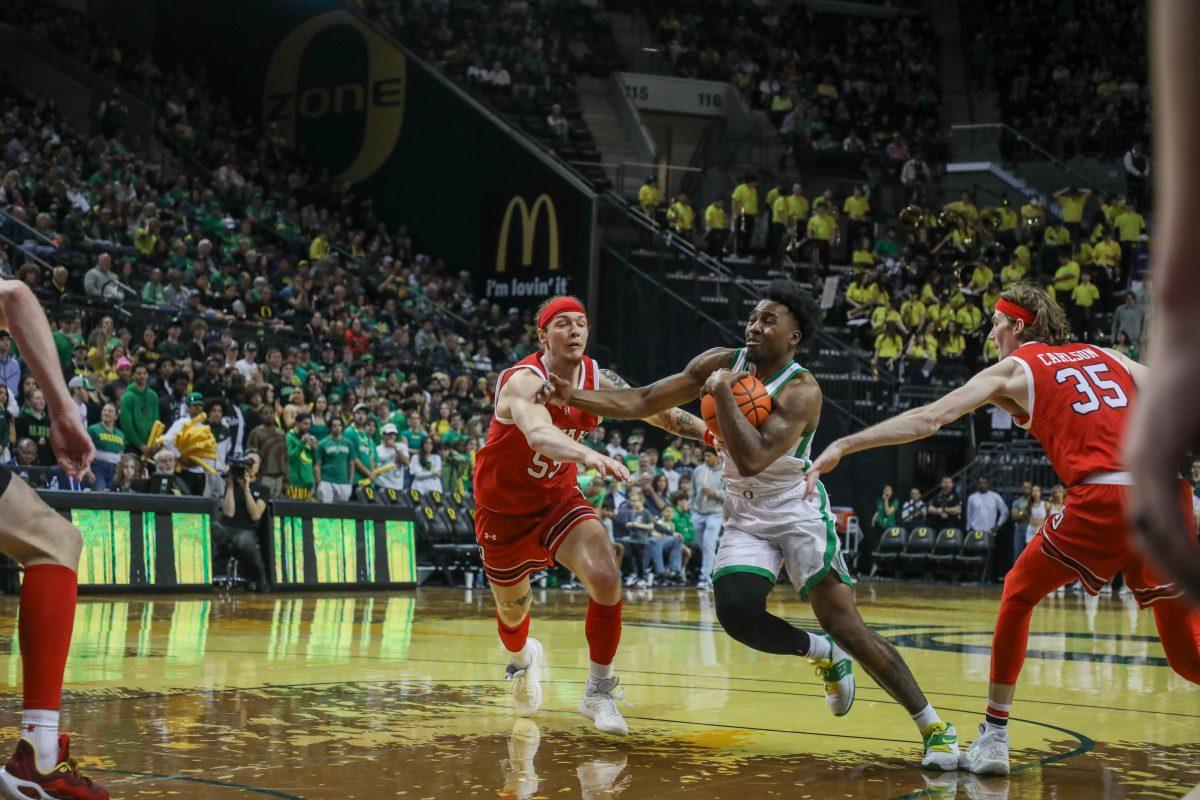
(673, 420)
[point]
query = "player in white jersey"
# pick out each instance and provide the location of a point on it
(768, 522)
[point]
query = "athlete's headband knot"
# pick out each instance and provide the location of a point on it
(561, 305)
(1015, 311)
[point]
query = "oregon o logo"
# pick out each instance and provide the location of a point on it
(529, 217)
(291, 94)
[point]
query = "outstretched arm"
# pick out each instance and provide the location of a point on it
(998, 382)
(643, 402)
(673, 420)
(1166, 416)
(22, 315)
(518, 399)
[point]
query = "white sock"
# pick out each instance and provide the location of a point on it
(819, 647)
(39, 727)
(521, 659)
(598, 672)
(925, 717)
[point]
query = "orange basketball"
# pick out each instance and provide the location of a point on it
(752, 399)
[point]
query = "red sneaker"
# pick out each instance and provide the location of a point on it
(20, 779)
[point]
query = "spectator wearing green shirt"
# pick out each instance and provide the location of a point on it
(885, 511)
(301, 473)
(335, 462)
(456, 466)
(139, 411)
(361, 435)
(110, 444)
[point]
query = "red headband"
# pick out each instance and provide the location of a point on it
(1015, 311)
(558, 306)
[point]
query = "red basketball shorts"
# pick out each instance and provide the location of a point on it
(514, 545)
(1091, 537)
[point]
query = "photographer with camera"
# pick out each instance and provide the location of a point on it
(244, 503)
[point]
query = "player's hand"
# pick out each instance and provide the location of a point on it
(723, 376)
(825, 463)
(72, 446)
(555, 392)
(608, 467)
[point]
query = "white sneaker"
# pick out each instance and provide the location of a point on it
(598, 778)
(520, 778)
(987, 755)
(941, 747)
(527, 683)
(837, 672)
(599, 704)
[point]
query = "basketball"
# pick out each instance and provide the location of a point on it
(752, 399)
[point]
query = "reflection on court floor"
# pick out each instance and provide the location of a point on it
(402, 695)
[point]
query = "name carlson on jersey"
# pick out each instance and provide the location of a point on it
(1050, 359)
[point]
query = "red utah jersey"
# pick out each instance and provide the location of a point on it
(510, 477)
(1079, 403)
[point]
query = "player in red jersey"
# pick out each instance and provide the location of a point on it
(48, 548)
(1075, 399)
(530, 511)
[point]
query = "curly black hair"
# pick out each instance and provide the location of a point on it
(799, 303)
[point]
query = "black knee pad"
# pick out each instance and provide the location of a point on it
(741, 600)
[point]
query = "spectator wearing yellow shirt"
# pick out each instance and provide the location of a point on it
(682, 217)
(858, 209)
(1067, 276)
(921, 354)
(318, 248)
(745, 213)
(1056, 236)
(145, 238)
(912, 312)
(1023, 255)
(859, 296)
(1085, 254)
(1071, 201)
(951, 344)
(776, 192)
(968, 318)
(780, 223)
(1033, 216)
(883, 316)
(1006, 230)
(822, 236)
(964, 207)
(797, 205)
(889, 346)
(1083, 298)
(989, 299)
(937, 313)
(716, 228)
(649, 197)
(863, 256)
(1111, 205)
(1129, 224)
(1107, 252)
(1011, 273)
(981, 276)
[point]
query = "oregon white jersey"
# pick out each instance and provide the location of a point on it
(788, 470)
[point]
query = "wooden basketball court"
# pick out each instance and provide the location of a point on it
(402, 695)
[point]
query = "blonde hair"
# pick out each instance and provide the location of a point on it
(1050, 324)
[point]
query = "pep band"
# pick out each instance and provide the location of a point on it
(560, 306)
(1015, 311)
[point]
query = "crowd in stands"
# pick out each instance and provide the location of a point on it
(318, 348)
(1072, 76)
(841, 89)
(521, 58)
